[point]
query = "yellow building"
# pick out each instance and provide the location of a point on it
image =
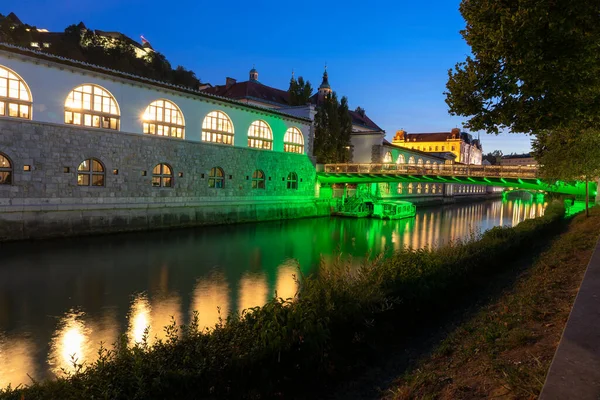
(466, 149)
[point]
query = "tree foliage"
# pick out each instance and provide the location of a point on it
(493, 157)
(568, 154)
(333, 126)
(535, 65)
(83, 44)
(299, 91)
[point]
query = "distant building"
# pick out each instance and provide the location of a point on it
(525, 160)
(466, 149)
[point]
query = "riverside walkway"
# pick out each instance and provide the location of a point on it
(488, 175)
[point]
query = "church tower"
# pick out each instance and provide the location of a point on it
(324, 89)
(254, 75)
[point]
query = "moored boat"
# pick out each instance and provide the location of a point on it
(393, 209)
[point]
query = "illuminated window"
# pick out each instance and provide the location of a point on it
(399, 190)
(400, 159)
(92, 106)
(292, 180)
(419, 188)
(410, 188)
(216, 178)
(90, 173)
(420, 162)
(47, 45)
(217, 128)
(293, 141)
(35, 44)
(260, 136)
(426, 188)
(162, 176)
(433, 188)
(428, 163)
(411, 160)
(258, 179)
(15, 98)
(5, 170)
(163, 118)
(386, 188)
(388, 157)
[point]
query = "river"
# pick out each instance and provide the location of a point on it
(60, 298)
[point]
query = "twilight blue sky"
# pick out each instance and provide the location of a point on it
(389, 57)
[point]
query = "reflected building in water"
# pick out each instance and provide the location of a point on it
(136, 283)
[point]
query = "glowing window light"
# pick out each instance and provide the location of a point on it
(162, 176)
(217, 128)
(90, 172)
(293, 141)
(260, 136)
(15, 97)
(92, 106)
(388, 157)
(6, 170)
(411, 160)
(400, 159)
(216, 178)
(258, 179)
(163, 118)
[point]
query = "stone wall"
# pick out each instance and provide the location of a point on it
(47, 201)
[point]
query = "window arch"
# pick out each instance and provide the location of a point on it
(216, 178)
(217, 128)
(6, 170)
(293, 141)
(162, 176)
(90, 105)
(428, 163)
(419, 188)
(91, 172)
(410, 188)
(258, 179)
(292, 181)
(399, 189)
(420, 162)
(163, 118)
(400, 159)
(411, 160)
(388, 157)
(260, 135)
(15, 97)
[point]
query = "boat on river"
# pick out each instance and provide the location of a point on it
(393, 209)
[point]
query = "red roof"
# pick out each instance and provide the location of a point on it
(363, 120)
(251, 90)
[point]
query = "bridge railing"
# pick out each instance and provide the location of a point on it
(436, 169)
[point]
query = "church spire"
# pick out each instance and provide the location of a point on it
(324, 89)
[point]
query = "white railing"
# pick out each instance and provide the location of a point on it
(488, 171)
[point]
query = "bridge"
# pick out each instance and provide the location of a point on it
(520, 177)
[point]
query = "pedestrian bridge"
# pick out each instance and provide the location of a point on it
(514, 177)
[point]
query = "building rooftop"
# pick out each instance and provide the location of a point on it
(251, 89)
(524, 155)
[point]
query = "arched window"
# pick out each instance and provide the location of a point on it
(433, 188)
(258, 179)
(419, 188)
(6, 170)
(162, 176)
(388, 157)
(400, 159)
(411, 160)
(293, 141)
(216, 178)
(91, 172)
(420, 162)
(15, 97)
(426, 188)
(217, 128)
(410, 188)
(260, 136)
(399, 190)
(93, 106)
(292, 180)
(163, 118)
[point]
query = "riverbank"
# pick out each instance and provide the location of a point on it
(505, 349)
(326, 333)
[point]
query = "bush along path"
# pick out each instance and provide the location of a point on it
(505, 350)
(290, 347)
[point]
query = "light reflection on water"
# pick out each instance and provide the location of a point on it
(59, 302)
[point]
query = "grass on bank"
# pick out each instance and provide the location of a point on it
(326, 332)
(505, 350)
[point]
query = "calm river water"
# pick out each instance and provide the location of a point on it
(61, 298)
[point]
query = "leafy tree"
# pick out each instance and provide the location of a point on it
(569, 154)
(535, 65)
(333, 127)
(494, 157)
(299, 91)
